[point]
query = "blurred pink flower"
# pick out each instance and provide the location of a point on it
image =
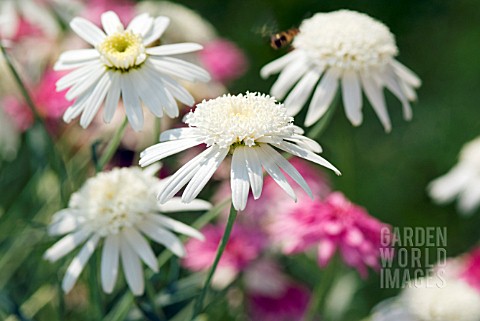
(224, 60)
(244, 246)
(50, 103)
(288, 305)
(123, 8)
(333, 224)
(26, 29)
(21, 115)
(471, 272)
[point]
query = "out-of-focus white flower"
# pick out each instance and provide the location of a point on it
(425, 300)
(462, 181)
(455, 301)
(122, 65)
(34, 12)
(186, 24)
(119, 207)
(247, 126)
(347, 48)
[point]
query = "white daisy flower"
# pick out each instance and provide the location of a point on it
(454, 301)
(462, 181)
(120, 208)
(122, 64)
(344, 47)
(247, 126)
(34, 12)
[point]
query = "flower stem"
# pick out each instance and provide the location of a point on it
(317, 301)
(112, 146)
(221, 248)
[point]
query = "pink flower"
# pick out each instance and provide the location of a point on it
(123, 8)
(333, 224)
(26, 29)
(471, 272)
(50, 103)
(288, 305)
(21, 115)
(244, 246)
(224, 60)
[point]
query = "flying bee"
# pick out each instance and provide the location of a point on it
(283, 39)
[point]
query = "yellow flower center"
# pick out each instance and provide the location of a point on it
(122, 51)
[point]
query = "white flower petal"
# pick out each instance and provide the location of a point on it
(204, 173)
(132, 268)
(406, 74)
(352, 97)
(164, 237)
(306, 143)
(323, 96)
(288, 77)
(288, 168)
(159, 151)
(255, 173)
(113, 96)
(133, 108)
(180, 133)
(302, 91)
(175, 49)
(77, 76)
(79, 55)
(109, 265)
(469, 200)
(160, 24)
(78, 263)
(67, 244)
(87, 31)
(96, 100)
(141, 24)
(76, 109)
(275, 172)
(141, 247)
(111, 23)
(239, 180)
(87, 82)
(176, 205)
(306, 154)
(180, 68)
(278, 64)
(375, 95)
(392, 82)
(183, 175)
(64, 221)
(180, 93)
(177, 226)
(445, 188)
(147, 92)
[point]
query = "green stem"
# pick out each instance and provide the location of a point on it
(317, 301)
(95, 297)
(221, 248)
(58, 162)
(112, 146)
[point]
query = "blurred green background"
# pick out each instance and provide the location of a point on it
(386, 173)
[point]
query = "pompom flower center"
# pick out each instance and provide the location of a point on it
(122, 51)
(347, 40)
(240, 120)
(114, 200)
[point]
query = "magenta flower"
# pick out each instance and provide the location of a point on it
(224, 60)
(333, 224)
(288, 305)
(471, 272)
(244, 246)
(272, 295)
(50, 103)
